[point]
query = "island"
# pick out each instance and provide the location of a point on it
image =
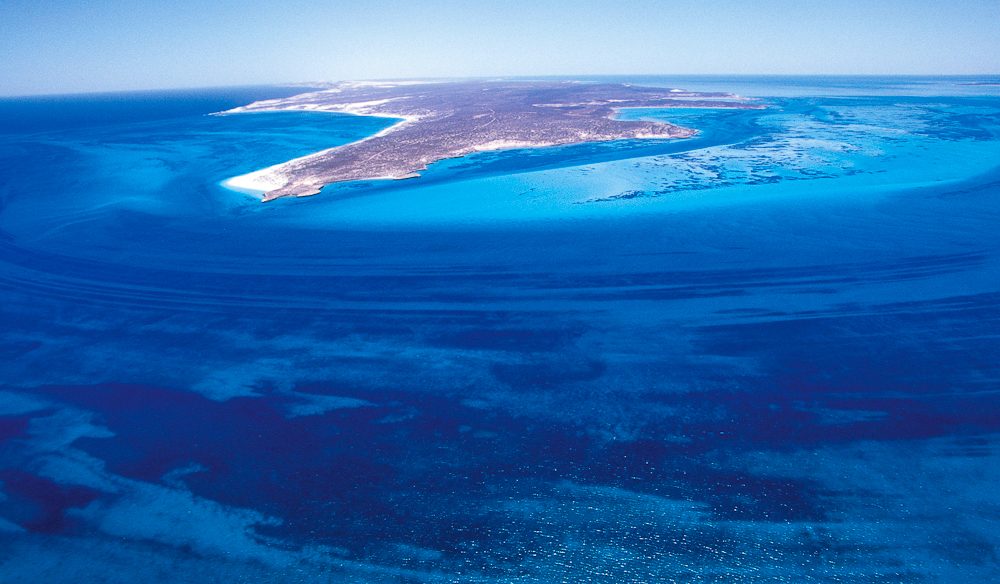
(441, 120)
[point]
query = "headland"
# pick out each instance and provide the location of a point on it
(452, 119)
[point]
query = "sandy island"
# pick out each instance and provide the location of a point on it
(449, 120)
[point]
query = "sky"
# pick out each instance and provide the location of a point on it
(104, 45)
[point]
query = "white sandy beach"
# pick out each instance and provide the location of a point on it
(260, 182)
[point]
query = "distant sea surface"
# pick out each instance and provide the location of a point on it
(769, 353)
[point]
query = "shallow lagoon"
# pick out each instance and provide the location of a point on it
(765, 354)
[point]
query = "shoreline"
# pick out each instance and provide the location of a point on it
(462, 119)
(259, 182)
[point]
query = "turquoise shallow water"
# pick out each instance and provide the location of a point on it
(764, 354)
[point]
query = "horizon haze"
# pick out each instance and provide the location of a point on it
(77, 47)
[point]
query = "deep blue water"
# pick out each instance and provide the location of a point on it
(769, 353)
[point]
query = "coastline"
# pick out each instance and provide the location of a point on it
(459, 120)
(259, 182)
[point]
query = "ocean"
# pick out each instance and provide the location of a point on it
(768, 353)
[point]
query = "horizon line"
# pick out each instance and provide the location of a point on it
(316, 84)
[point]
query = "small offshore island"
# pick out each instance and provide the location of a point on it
(454, 119)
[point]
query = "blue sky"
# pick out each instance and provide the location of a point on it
(70, 45)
